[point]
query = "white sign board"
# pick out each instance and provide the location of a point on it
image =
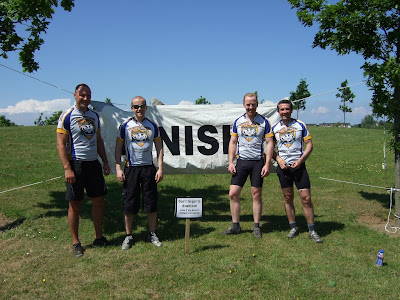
(188, 207)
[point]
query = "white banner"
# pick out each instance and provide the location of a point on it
(195, 137)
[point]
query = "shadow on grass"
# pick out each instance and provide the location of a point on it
(280, 223)
(383, 199)
(216, 209)
(213, 247)
(12, 225)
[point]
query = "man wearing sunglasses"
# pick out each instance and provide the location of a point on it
(137, 135)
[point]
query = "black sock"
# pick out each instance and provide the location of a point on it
(292, 225)
(235, 226)
(311, 227)
(256, 225)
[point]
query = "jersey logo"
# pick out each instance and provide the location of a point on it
(140, 135)
(287, 137)
(87, 127)
(249, 131)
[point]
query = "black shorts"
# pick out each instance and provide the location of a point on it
(140, 179)
(89, 176)
(298, 176)
(244, 168)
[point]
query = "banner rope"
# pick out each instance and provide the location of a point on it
(390, 211)
(391, 190)
(24, 186)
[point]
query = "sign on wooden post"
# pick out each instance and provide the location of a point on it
(187, 208)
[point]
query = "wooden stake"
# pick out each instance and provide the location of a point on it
(187, 236)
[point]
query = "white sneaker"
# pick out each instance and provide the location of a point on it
(128, 242)
(292, 233)
(154, 239)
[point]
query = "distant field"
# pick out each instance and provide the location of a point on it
(35, 242)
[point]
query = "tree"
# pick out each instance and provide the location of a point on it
(52, 120)
(202, 100)
(369, 28)
(368, 122)
(347, 96)
(299, 96)
(34, 16)
(259, 101)
(108, 100)
(4, 122)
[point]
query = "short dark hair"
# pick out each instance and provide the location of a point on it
(82, 85)
(285, 101)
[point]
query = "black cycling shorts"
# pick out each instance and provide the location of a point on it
(298, 176)
(244, 168)
(89, 176)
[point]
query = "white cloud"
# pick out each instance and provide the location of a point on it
(361, 110)
(36, 106)
(320, 110)
(183, 102)
(227, 103)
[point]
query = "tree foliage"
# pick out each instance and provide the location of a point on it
(346, 96)
(299, 96)
(31, 16)
(52, 120)
(370, 28)
(4, 122)
(202, 100)
(368, 122)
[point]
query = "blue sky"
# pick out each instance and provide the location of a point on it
(180, 50)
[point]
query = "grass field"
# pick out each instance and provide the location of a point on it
(35, 243)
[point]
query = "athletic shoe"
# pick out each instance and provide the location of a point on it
(313, 235)
(128, 242)
(257, 232)
(292, 233)
(78, 250)
(154, 239)
(230, 231)
(101, 242)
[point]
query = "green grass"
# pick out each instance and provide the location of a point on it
(35, 242)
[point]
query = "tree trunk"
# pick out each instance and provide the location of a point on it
(397, 186)
(397, 168)
(344, 119)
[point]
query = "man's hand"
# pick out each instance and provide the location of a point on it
(159, 176)
(70, 176)
(106, 169)
(232, 168)
(265, 171)
(282, 164)
(120, 175)
(296, 164)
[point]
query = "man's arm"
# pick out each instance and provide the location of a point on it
(268, 155)
(119, 144)
(62, 139)
(160, 158)
(102, 153)
(305, 155)
(232, 150)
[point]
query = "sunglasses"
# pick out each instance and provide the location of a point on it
(139, 106)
